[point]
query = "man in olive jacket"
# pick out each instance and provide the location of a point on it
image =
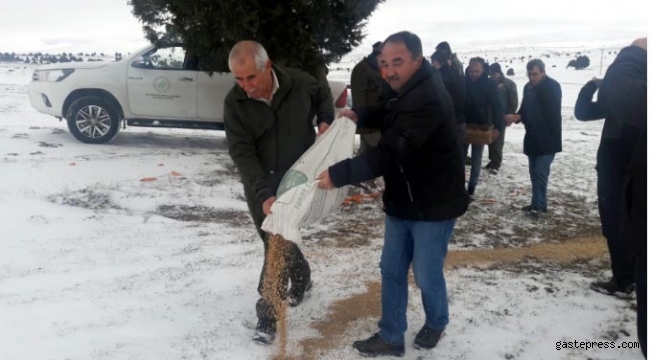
(268, 121)
(367, 88)
(420, 159)
(509, 101)
(541, 113)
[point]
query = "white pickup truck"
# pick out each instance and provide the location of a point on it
(155, 86)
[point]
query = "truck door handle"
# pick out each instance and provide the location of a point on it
(186, 79)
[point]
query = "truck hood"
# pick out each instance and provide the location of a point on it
(74, 65)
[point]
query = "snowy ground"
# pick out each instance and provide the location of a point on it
(97, 264)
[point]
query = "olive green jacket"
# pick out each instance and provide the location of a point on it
(508, 95)
(457, 65)
(366, 83)
(265, 141)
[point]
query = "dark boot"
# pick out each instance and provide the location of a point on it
(610, 287)
(376, 346)
(300, 274)
(266, 323)
(427, 338)
(298, 294)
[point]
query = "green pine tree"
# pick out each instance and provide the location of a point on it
(300, 33)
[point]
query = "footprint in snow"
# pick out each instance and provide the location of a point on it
(50, 145)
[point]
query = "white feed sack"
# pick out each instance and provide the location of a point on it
(299, 201)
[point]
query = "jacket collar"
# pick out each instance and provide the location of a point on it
(284, 81)
(423, 73)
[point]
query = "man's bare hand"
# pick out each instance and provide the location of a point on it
(266, 207)
(348, 113)
(495, 134)
(642, 43)
(322, 128)
(512, 118)
(325, 181)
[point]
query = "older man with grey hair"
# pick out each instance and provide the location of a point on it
(268, 118)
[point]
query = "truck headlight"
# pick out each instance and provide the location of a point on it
(51, 75)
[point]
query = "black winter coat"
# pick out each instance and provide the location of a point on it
(634, 215)
(586, 109)
(541, 113)
(418, 154)
(623, 96)
(455, 85)
(484, 103)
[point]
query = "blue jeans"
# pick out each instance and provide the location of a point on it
(539, 168)
(477, 159)
(424, 243)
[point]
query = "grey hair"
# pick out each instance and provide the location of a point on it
(248, 48)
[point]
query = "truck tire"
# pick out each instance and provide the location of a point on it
(93, 119)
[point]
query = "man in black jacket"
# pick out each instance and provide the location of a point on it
(454, 62)
(623, 97)
(420, 159)
(268, 118)
(483, 108)
(455, 85)
(541, 113)
(612, 160)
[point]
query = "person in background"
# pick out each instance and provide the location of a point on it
(455, 85)
(541, 113)
(367, 89)
(509, 102)
(420, 159)
(454, 62)
(268, 118)
(483, 109)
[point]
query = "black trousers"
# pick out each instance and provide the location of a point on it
(611, 173)
(296, 266)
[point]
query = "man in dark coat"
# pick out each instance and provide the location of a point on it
(541, 113)
(622, 155)
(420, 159)
(509, 101)
(483, 109)
(619, 102)
(367, 88)
(455, 85)
(268, 118)
(454, 62)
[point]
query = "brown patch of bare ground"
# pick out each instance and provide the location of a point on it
(345, 312)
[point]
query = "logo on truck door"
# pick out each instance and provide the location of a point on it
(161, 84)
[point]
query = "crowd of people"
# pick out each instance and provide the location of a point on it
(417, 116)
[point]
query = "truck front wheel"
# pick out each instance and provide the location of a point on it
(93, 119)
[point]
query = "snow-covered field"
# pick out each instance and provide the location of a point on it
(97, 264)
